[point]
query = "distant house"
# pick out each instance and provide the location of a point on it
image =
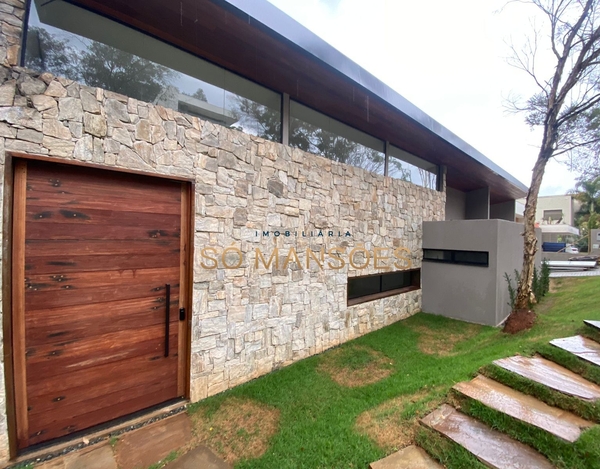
(555, 215)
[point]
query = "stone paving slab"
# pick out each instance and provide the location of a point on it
(558, 422)
(594, 324)
(94, 457)
(411, 457)
(154, 442)
(550, 374)
(200, 457)
(580, 346)
(491, 447)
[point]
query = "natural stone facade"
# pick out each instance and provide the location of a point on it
(247, 319)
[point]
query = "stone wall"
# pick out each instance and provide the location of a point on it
(247, 318)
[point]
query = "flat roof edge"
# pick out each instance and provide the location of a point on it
(276, 20)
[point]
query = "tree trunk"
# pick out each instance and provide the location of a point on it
(525, 295)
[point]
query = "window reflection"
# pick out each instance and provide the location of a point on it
(75, 43)
(82, 46)
(408, 167)
(316, 133)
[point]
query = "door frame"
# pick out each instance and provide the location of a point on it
(13, 309)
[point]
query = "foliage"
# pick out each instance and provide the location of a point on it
(540, 284)
(96, 65)
(47, 52)
(583, 244)
(319, 141)
(264, 121)
(564, 102)
(512, 289)
(200, 94)
(113, 69)
(587, 192)
(586, 160)
(545, 278)
(536, 283)
(587, 218)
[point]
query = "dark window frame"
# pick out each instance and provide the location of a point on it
(415, 284)
(453, 254)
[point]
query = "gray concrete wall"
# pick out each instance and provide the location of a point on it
(471, 293)
(503, 211)
(477, 204)
(460, 291)
(509, 257)
(455, 204)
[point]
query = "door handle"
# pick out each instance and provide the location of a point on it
(167, 317)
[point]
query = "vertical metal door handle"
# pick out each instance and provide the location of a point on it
(167, 318)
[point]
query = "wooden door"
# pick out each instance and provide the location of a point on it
(98, 272)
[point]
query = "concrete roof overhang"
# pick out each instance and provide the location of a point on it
(258, 41)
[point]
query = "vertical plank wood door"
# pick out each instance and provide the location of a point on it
(94, 254)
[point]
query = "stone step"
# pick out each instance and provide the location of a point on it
(580, 346)
(411, 457)
(550, 374)
(528, 409)
(491, 447)
(594, 324)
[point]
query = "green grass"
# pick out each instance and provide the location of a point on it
(318, 417)
(354, 358)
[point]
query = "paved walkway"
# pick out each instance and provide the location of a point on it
(141, 448)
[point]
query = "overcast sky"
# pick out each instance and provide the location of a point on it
(449, 59)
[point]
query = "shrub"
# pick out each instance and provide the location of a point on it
(540, 284)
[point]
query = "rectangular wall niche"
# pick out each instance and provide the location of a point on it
(478, 258)
(373, 287)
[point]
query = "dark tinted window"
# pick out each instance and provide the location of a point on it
(395, 280)
(363, 286)
(479, 258)
(359, 287)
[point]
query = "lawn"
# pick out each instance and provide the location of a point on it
(361, 401)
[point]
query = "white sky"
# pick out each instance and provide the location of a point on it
(447, 58)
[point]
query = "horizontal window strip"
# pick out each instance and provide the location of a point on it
(451, 256)
(371, 287)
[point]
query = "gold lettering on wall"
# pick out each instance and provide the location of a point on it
(334, 258)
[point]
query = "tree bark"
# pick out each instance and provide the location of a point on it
(525, 295)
